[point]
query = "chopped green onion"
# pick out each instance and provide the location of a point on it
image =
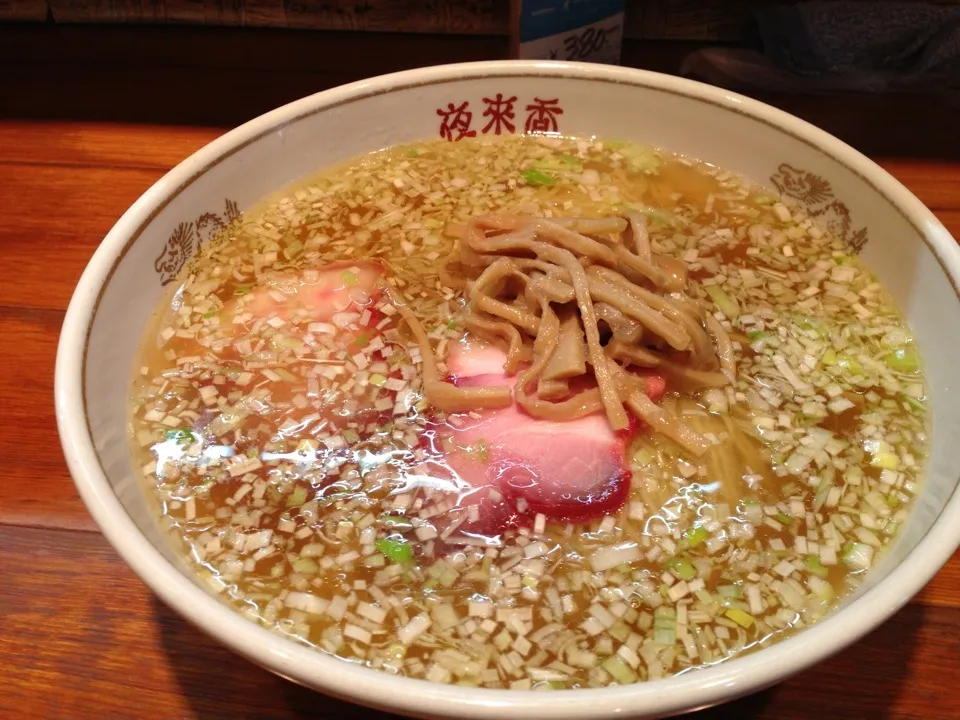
(741, 618)
(536, 177)
(823, 489)
(848, 363)
(243, 289)
(705, 597)
(682, 568)
(349, 278)
(293, 249)
(665, 616)
(903, 359)
(658, 215)
(181, 435)
(857, 556)
(822, 589)
(665, 636)
(806, 322)
(665, 625)
(619, 670)
(885, 461)
(377, 379)
(815, 566)
(395, 550)
(790, 488)
(311, 550)
(728, 306)
(478, 451)
(307, 446)
(564, 163)
(285, 375)
(449, 575)
(351, 436)
(452, 324)
(305, 566)
(482, 451)
(782, 518)
(695, 536)
(620, 631)
(756, 336)
(642, 457)
(362, 340)
(729, 591)
(298, 497)
(641, 158)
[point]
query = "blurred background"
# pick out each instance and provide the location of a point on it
(882, 75)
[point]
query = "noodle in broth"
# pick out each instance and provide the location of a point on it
(530, 413)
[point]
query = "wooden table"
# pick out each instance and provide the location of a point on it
(81, 637)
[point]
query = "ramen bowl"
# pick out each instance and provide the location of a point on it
(904, 244)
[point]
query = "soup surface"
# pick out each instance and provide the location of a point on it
(282, 415)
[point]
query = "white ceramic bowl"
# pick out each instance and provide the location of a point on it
(903, 242)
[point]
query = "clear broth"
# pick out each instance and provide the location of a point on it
(280, 461)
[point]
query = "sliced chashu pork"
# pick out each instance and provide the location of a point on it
(570, 471)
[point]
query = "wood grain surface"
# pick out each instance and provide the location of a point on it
(81, 637)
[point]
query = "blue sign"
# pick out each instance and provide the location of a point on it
(543, 18)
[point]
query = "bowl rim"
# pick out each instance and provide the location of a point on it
(685, 692)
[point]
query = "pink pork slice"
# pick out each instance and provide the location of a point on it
(570, 471)
(321, 292)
